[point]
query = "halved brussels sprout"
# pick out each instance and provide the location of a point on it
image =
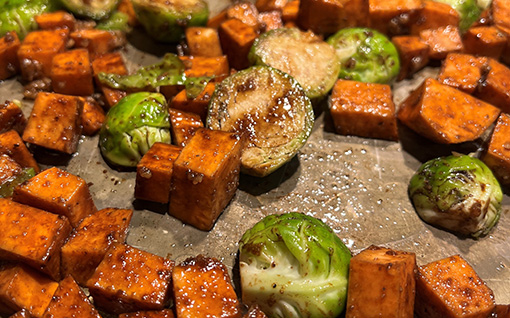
(7, 187)
(94, 9)
(468, 10)
(293, 265)
(132, 126)
(18, 15)
(458, 193)
(365, 55)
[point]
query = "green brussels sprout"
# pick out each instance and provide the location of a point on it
(365, 55)
(117, 21)
(468, 10)
(458, 193)
(18, 15)
(94, 9)
(132, 126)
(7, 186)
(294, 265)
(166, 20)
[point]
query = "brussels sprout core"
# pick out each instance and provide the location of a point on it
(457, 193)
(293, 265)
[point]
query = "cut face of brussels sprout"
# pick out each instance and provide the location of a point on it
(94, 9)
(293, 265)
(302, 55)
(19, 15)
(457, 193)
(166, 20)
(468, 10)
(7, 187)
(365, 55)
(132, 126)
(270, 108)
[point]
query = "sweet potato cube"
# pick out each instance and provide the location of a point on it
(70, 301)
(56, 20)
(196, 66)
(205, 177)
(497, 156)
(165, 313)
(501, 13)
(129, 279)
(236, 39)
(270, 5)
(9, 64)
(12, 145)
(393, 17)
(71, 73)
(380, 271)
(495, 89)
(11, 117)
(325, 16)
(92, 117)
(126, 7)
(244, 11)
(462, 71)
(183, 126)
(270, 20)
(98, 42)
(442, 41)
(254, 312)
(451, 288)
(290, 11)
(9, 169)
(203, 42)
(37, 50)
(364, 109)
(434, 15)
(198, 105)
(484, 41)
(501, 311)
(413, 53)
(55, 122)
(154, 173)
(110, 63)
(23, 288)
(32, 236)
(90, 241)
(202, 287)
(57, 191)
(21, 314)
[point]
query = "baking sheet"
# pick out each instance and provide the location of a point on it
(358, 186)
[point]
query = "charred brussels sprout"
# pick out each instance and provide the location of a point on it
(457, 193)
(293, 265)
(7, 186)
(468, 10)
(94, 9)
(365, 55)
(166, 20)
(132, 126)
(18, 15)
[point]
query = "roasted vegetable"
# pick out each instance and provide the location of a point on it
(293, 265)
(468, 10)
(94, 9)
(458, 193)
(18, 15)
(117, 21)
(7, 187)
(166, 20)
(366, 55)
(131, 127)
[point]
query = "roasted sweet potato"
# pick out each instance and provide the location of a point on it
(441, 41)
(501, 13)
(198, 105)
(165, 313)
(9, 169)
(12, 145)
(71, 73)
(495, 88)
(236, 39)
(484, 41)
(183, 126)
(126, 7)
(290, 12)
(497, 155)
(92, 117)
(21, 314)
(9, 64)
(433, 15)
(244, 11)
(203, 42)
(393, 17)
(413, 54)
(462, 71)
(196, 66)
(98, 42)
(110, 63)
(11, 117)
(501, 311)
(56, 20)
(270, 5)
(270, 20)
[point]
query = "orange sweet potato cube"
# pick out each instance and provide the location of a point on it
(129, 279)
(484, 41)
(90, 241)
(9, 64)
(434, 15)
(37, 50)
(11, 117)
(364, 109)
(55, 122)
(380, 271)
(12, 145)
(92, 117)
(501, 13)
(126, 7)
(9, 169)
(444, 114)
(495, 88)
(183, 126)
(110, 63)
(462, 71)
(442, 41)
(23, 288)
(32, 236)
(270, 20)
(236, 39)
(413, 54)
(270, 5)
(56, 20)
(165, 313)
(203, 42)
(21, 314)
(393, 17)
(154, 173)
(57, 191)
(71, 73)
(205, 177)
(451, 288)
(197, 66)
(497, 156)
(202, 287)
(244, 11)
(501, 311)
(70, 301)
(198, 105)
(98, 42)
(290, 11)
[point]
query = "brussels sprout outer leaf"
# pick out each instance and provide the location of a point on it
(19, 15)
(468, 10)
(117, 21)
(132, 126)
(94, 9)
(293, 265)
(7, 188)
(458, 193)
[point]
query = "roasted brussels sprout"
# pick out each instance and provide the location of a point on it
(132, 126)
(468, 10)
(166, 20)
(18, 15)
(94, 9)
(117, 21)
(365, 55)
(293, 265)
(458, 193)
(7, 187)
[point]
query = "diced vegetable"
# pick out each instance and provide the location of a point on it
(94, 9)
(117, 21)
(18, 15)
(468, 10)
(7, 187)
